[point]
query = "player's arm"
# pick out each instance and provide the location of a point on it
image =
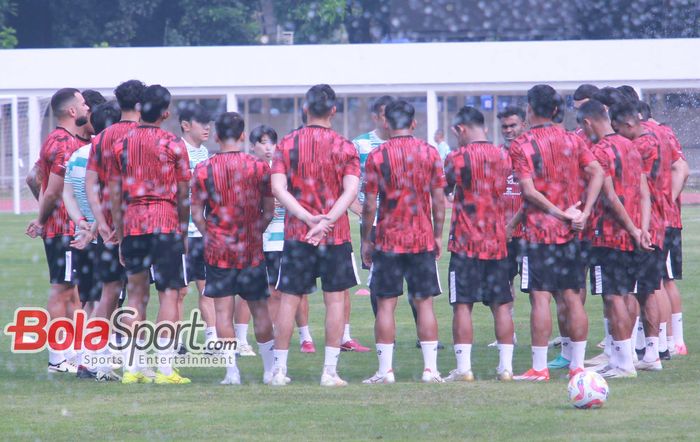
(268, 211)
(513, 222)
(369, 211)
(596, 176)
(535, 197)
(52, 196)
(437, 195)
(183, 204)
(115, 196)
(646, 211)
(679, 176)
(72, 207)
(34, 181)
(279, 190)
(92, 191)
(198, 209)
(618, 209)
(350, 185)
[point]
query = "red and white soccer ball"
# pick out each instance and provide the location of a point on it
(587, 390)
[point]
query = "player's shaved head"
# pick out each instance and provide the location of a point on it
(544, 101)
(629, 93)
(468, 116)
(624, 112)
(610, 96)
(229, 126)
(62, 100)
(320, 100)
(380, 103)
(399, 114)
(592, 110)
(585, 92)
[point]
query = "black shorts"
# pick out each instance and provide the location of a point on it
(272, 263)
(250, 283)
(302, 263)
(613, 272)
(164, 251)
(585, 259)
(390, 269)
(372, 237)
(107, 266)
(479, 280)
(515, 256)
(84, 263)
(552, 267)
(194, 264)
(673, 248)
(59, 258)
(650, 271)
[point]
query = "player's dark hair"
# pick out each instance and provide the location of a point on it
(468, 116)
(129, 94)
(381, 102)
(610, 96)
(585, 91)
(591, 109)
(93, 98)
(105, 115)
(561, 110)
(543, 100)
(262, 130)
(156, 100)
(511, 111)
(191, 111)
(399, 114)
(623, 112)
(629, 93)
(229, 126)
(644, 110)
(61, 98)
(320, 99)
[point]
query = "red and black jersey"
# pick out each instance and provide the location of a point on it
(150, 162)
(403, 171)
(512, 197)
(232, 185)
(54, 153)
(100, 159)
(622, 162)
(554, 160)
(315, 159)
(478, 172)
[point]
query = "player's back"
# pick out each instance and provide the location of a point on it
(657, 166)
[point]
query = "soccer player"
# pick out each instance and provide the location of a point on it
(194, 123)
(658, 160)
(408, 174)
(53, 223)
(614, 233)
(264, 141)
(232, 189)
(108, 269)
(151, 179)
(547, 160)
(315, 176)
(93, 99)
(479, 269)
(85, 245)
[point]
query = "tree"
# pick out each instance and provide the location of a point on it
(315, 21)
(8, 35)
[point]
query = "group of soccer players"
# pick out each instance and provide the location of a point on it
(125, 203)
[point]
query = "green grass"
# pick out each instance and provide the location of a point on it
(35, 405)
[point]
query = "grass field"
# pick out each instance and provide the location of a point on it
(35, 405)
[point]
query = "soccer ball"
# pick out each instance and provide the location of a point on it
(587, 390)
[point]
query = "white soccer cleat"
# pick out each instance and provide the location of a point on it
(493, 344)
(458, 376)
(600, 368)
(386, 378)
(62, 367)
(556, 342)
(332, 380)
(649, 366)
(246, 350)
(505, 376)
(597, 360)
(618, 373)
(232, 379)
(107, 376)
(431, 378)
(279, 379)
(268, 375)
(149, 372)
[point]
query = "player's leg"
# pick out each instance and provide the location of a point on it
(563, 359)
(577, 326)
(465, 288)
(284, 326)
(638, 337)
(348, 343)
(621, 363)
(674, 271)
(335, 312)
(224, 307)
(664, 305)
(208, 311)
(241, 318)
(503, 325)
(306, 342)
(252, 286)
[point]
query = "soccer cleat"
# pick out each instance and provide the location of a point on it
(182, 350)
(62, 367)
(279, 379)
(136, 378)
(493, 344)
(558, 362)
(597, 360)
(457, 376)
(386, 378)
(173, 378)
(362, 292)
(649, 366)
(681, 350)
(431, 378)
(150, 373)
(574, 371)
(308, 347)
(107, 376)
(533, 375)
(600, 367)
(85, 373)
(353, 345)
(504, 376)
(267, 378)
(246, 350)
(618, 373)
(665, 355)
(556, 342)
(233, 379)
(332, 380)
(601, 344)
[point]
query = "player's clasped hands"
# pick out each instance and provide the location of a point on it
(320, 226)
(34, 229)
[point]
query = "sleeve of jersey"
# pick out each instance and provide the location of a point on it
(438, 179)
(279, 163)
(676, 152)
(113, 162)
(450, 172)
(58, 166)
(182, 161)
(521, 165)
(506, 166)
(352, 162)
(92, 157)
(585, 156)
(649, 155)
(371, 175)
(602, 157)
(266, 182)
(199, 189)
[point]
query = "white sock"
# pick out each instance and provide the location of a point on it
(505, 358)
(304, 334)
(266, 352)
(280, 360)
(622, 355)
(463, 353)
(241, 334)
(578, 354)
(385, 354)
(346, 333)
(652, 352)
(230, 355)
(608, 342)
(663, 343)
(670, 342)
(164, 363)
(633, 339)
(210, 334)
(606, 328)
(429, 349)
(56, 357)
(566, 348)
(539, 357)
(330, 361)
(641, 342)
(677, 320)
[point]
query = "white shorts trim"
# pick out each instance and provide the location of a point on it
(369, 277)
(453, 287)
(184, 269)
(525, 275)
(437, 275)
(669, 266)
(68, 272)
(354, 268)
(598, 275)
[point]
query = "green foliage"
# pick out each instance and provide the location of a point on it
(215, 22)
(8, 38)
(318, 21)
